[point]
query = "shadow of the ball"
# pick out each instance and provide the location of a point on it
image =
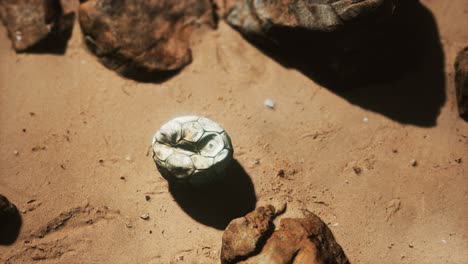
(217, 204)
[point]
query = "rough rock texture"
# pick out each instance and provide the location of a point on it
(133, 36)
(244, 235)
(298, 241)
(262, 16)
(333, 41)
(31, 22)
(461, 82)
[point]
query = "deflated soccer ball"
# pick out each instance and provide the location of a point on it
(192, 150)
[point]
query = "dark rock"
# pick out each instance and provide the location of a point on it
(6, 208)
(461, 82)
(44, 25)
(299, 241)
(136, 37)
(10, 222)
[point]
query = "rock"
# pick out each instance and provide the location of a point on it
(31, 23)
(263, 16)
(10, 222)
(242, 236)
(461, 82)
(145, 216)
(307, 240)
(338, 42)
(6, 208)
(134, 37)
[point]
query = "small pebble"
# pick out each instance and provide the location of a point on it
(365, 119)
(147, 197)
(256, 161)
(144, 216)
(414, 163)
(280, 173)
(269, 103)
(18, 36)
(443, 241)
(16, 152)
(129, 225)
(335, 224)
(128, 158)
(122, 177)
(357, 170)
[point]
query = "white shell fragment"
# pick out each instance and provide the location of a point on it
(269, 103)
(192, 149)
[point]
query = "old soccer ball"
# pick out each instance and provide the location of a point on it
(192, 150)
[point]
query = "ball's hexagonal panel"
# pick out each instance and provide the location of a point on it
(180, 165)
(201, 162)
(209, 125)
(211, 144)
(161, 151)
(192, 131)
(192, 150)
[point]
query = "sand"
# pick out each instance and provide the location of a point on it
(393, 188)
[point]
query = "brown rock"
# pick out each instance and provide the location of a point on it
(461, 82)
(298, 241)
(243, 235)
(32, 22)
(134, 36)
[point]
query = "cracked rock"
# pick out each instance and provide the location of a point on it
(142, 37)
(250, 240)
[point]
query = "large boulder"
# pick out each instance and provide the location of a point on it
(335, 42)
(461, 82)
(264, 16)
(135, 37)
(31, 23)
(251, 240)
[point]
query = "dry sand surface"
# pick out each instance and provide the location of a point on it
(83, 167)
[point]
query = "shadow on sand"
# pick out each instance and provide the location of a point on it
(395, 68)
(218, 204)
